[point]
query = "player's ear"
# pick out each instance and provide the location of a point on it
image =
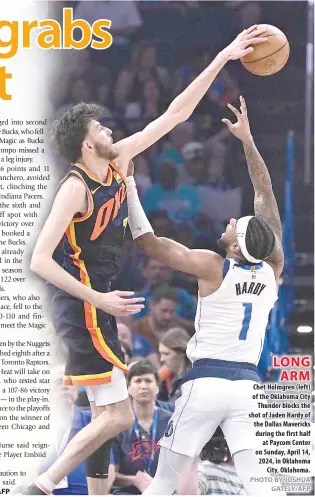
(86, 146)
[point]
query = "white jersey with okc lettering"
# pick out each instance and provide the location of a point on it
(230, 324)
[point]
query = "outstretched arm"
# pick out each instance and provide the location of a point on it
(201, 263)
(184, 104)
(265, 204)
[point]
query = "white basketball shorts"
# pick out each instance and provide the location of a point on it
(109, 393)
(207, 403)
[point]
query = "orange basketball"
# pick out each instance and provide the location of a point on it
(268, 57)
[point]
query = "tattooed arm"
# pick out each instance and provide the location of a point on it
(265, 203)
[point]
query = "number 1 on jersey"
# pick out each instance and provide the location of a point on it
(247, 317)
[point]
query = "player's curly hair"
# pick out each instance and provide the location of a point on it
(68, 132)
(260, 239)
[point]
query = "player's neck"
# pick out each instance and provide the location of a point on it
(144, 412)
(230, 255)
(97, 166)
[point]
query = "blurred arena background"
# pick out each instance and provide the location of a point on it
(195, 179)
(159, 46)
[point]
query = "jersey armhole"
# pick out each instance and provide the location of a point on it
(117, 169)
(89, 196)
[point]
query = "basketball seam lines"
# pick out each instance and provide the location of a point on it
(273, 72)
(274, 34)
(193, 381)
(262, 58)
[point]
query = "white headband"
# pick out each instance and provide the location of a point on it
(241, 228)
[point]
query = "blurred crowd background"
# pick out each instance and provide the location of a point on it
(195, 179)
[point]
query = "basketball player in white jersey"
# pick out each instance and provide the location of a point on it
(235, 297)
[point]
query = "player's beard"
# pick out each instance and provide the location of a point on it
(107, 152)
(222, 244)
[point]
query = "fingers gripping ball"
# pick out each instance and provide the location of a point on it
(271, 55)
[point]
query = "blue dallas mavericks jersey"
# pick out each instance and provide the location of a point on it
(231, 323)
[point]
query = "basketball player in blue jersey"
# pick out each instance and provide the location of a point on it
(89, 214)
(235, 297)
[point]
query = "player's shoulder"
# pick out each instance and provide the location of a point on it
(273, 272)
(205, 257)
(211, 268)
(73, 185)
(71, 195)
(269, 267)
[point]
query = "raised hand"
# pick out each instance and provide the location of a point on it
(241, 45)
(118, 304)
(241, 128)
